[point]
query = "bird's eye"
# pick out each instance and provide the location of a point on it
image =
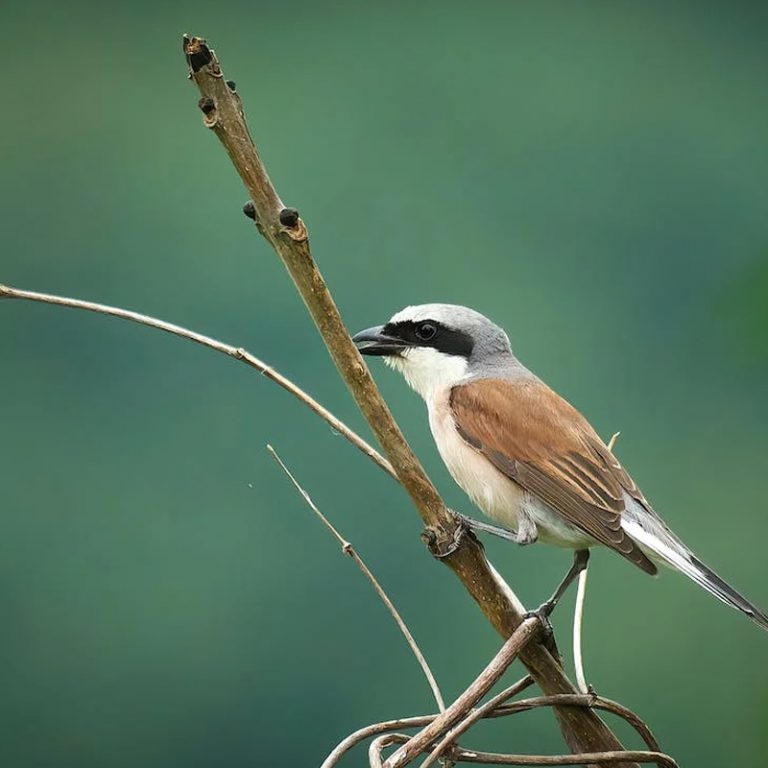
(426, 331)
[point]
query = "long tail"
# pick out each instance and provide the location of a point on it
(663, 545)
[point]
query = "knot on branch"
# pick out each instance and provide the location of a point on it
(208, 108)
(292, 225)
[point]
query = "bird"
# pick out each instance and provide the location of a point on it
(523, 454)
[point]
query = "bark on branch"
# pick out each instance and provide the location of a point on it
(283, 228)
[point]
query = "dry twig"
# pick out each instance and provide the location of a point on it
(495, 708)
(349, 550)
(583, 700)
(578, 620)
(238, 353)
(375, 729)
(588, 758)
(460, 716)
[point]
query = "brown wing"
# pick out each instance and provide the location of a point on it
(545, 445)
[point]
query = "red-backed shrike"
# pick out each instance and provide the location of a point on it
(525, 456)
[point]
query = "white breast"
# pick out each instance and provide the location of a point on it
(495, 494)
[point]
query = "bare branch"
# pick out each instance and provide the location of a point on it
(479, 687)
(287, 233)
(348, 549)
(238, 353)
(580, 700)
(588, 758)
(495, 708)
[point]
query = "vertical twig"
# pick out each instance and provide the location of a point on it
(578, 619)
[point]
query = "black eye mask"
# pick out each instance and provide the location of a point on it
(420, 334)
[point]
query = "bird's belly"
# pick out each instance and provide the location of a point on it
(493, 492)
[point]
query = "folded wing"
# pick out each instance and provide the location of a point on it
(546, 446)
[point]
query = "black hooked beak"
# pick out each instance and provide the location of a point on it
(373, 341)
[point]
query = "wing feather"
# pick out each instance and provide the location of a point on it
(548, 448)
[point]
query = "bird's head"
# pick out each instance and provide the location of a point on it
(436, 346)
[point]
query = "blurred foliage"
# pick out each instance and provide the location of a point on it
(590, 175)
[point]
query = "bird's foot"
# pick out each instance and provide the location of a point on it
(542, 613)
(441, 543)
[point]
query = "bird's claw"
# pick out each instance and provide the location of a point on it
(441, 543)
(542, 613)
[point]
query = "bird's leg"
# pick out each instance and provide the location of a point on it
(524, 535)
(580, 560)
(439, 547)
(479, 525)
(544, 611)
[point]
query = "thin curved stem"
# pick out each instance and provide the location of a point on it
(349, 550)
(238, 353)
(379, 745)
(586, 758)
(578, 620)
(362, 734)
(580, 700)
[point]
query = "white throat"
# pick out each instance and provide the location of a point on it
(428, 371)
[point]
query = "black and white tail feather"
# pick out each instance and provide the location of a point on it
(662, 545)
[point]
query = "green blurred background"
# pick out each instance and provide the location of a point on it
(591, 175)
